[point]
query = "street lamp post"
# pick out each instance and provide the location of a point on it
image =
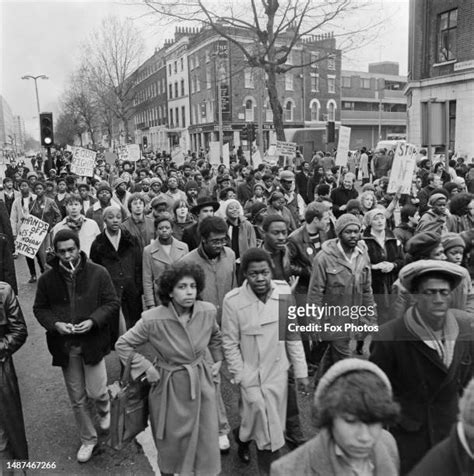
(35, 78)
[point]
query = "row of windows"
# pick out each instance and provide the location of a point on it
(151, 117)
(174, 67)
(148, 71)
(177, 90)
(153, 90)
(175, 118)
(249, 81)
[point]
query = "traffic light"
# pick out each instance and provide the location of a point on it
(244, 133)
(251, 132)
(46, 125)
(331, 126)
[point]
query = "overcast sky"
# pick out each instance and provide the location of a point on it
(44, 37)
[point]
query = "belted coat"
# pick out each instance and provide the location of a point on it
(183, 406)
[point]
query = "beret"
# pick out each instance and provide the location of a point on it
(411, 271)
(422, 244)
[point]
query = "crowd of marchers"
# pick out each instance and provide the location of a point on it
(196, 260)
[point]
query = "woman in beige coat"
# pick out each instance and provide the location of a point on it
(159, 255)
(183, 406)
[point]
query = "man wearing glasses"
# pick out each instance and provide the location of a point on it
(218, 263)
(428, 356)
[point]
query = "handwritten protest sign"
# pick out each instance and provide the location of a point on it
(214, 155)
(83, 161)
(343, 145)
(130, 152)
(31, 234)
(285, 148)
(177, 155)
(403, 168)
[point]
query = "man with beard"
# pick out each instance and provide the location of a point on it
(341, 279)
(191, 190)
(205, 207)
(294, 201)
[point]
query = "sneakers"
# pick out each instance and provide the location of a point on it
(104, 422)
(85, 452)
(224, 443)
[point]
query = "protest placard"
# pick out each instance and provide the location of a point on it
(286, 148)
(343, 146)
(226, 155)
(177, 156)
(403, 168)
(83, 161)
(130, 152)
(110, 157)
(214, 156)
(31, 234)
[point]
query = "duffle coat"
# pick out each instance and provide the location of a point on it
(427, 391)
(12, 336)
(183, 405)
(259, 361)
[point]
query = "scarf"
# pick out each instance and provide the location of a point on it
(75, 224)
(444, 347)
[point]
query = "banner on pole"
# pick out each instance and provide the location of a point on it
(343, 146)
(31, 234)
(226, 155)
(83, 161)
(286, 148)
(403, 168)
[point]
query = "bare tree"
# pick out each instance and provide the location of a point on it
(67, 128)
(274, 28)
(112, 54)
(79, 102)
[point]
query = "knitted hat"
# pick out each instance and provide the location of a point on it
(155, 180)
(191, 184)
(450, 186)
(450, 240)
(32, 174)
(258, 184)
(103, 186)
(344, 221)
(408, 274)
(344, 367)
(275, 196)
(353, 204)
(466, 410)
(422, 244)
(435, 197)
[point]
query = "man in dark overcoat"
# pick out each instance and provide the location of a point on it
(428, 356)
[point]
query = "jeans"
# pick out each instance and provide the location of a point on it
(337, 350)
(83, 382)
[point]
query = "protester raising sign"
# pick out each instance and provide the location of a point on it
(343, 145)
(130, 152)
(403, 168)
(31, 234)
(83, 161)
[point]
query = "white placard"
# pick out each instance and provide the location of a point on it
(343, 145)
(256, 158)
(177, 156)
(130, 152)
(83, 161)
(214, 156)
(403, 168)
(31, 234)
(285, 148)
(226, 155)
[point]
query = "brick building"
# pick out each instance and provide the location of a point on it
(373, 104)
(150, 118)
(440, 90)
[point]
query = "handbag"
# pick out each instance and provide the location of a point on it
(128, 407)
